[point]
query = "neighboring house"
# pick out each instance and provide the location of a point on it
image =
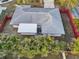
(49, 19)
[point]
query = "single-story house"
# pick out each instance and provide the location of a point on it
(48, 18)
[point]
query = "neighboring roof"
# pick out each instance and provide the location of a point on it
(48, 18)
(2, 8)
(49, 4)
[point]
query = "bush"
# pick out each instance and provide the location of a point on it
(30, 46)
(67, 3)
(75, 46)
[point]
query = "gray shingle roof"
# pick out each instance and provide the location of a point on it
(49, 19)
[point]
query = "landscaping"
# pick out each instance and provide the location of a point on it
(30, 46)
(56, 31)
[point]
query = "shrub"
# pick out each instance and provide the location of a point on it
(30, 46)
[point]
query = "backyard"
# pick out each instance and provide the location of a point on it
(16, 46)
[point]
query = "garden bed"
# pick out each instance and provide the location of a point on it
(72, 21)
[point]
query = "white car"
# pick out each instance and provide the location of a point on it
(4, 1)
